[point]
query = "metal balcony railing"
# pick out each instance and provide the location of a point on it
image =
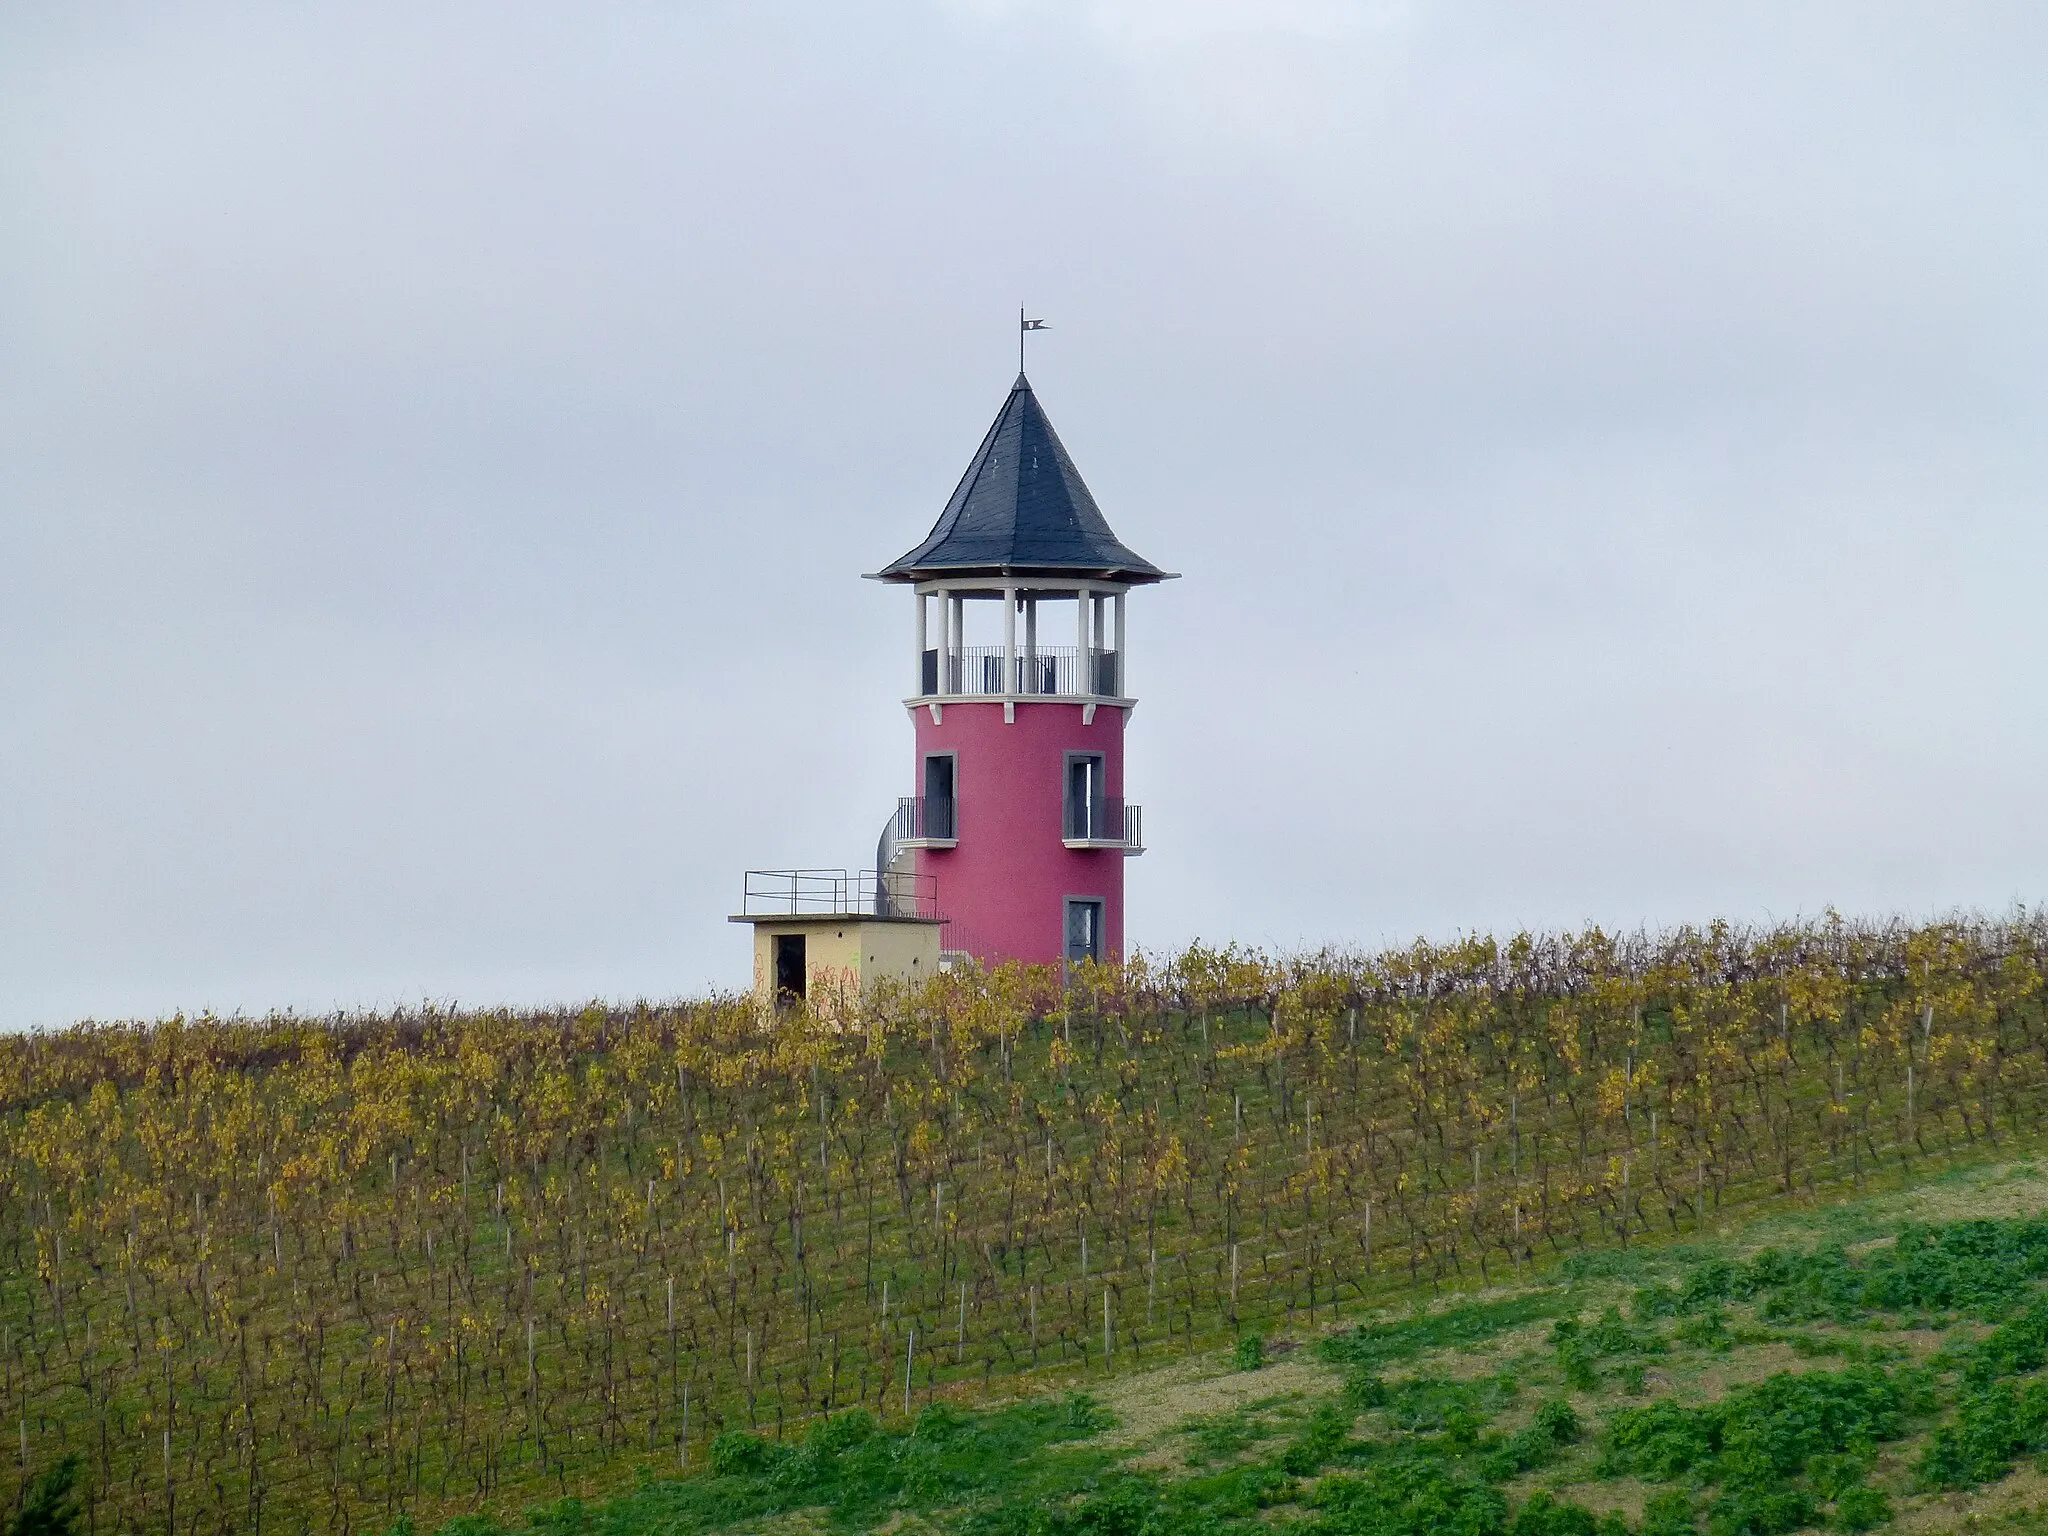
(923, 819)
(1105, 821)
(838, 893)
(1050, 671)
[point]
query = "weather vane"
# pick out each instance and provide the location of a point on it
(1024, 326)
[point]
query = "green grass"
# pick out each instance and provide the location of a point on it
(1221, 1436)
(853, 1474)
(1458, 1326)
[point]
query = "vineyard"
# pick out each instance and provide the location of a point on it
(1757, 1391)
(316, 1274)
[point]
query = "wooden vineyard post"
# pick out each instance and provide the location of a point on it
(1624, 1199)
(675, 1370)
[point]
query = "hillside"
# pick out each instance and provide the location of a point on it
(321, 1274)
(1876, 1364)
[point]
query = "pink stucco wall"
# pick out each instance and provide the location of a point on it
(1005, 886)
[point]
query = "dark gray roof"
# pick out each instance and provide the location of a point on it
(1021, 508)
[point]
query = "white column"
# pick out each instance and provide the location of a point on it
(1123, 686)
(922, 645)
(1084, 658)
(1009, 640)
(1098, 625)
(959, 643)
(1031, 641)
(945, 640)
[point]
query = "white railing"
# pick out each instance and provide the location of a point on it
(1049, 671)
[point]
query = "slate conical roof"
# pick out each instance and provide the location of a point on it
(1021, 509)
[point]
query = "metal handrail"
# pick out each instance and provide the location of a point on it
(1105, 819)
(839, 893)
(927, 818)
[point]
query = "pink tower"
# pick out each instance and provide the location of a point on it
(1019, 820)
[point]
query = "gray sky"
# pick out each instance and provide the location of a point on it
(440, 443)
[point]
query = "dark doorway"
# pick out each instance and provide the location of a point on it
(791, 974)
(1084, 929)
(939, 820)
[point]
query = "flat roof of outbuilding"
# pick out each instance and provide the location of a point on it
(842, 919)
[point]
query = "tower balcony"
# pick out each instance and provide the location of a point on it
(1108, 822)
(1051, 672)
(927, 821)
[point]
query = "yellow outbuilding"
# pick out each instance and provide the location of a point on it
(820, 936)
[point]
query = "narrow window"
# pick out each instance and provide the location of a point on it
(1084, 929)
(791, 975)
(939, 817)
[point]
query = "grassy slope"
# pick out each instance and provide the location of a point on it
(1202, 1444)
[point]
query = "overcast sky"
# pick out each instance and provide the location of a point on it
(440, 445)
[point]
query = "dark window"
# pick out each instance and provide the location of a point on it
(929, 674)
(939, 819)
(1087, 796)
(791, 975)
(1084, 929)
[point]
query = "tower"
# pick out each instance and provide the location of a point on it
(1019, 819)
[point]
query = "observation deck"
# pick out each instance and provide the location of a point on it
(995, 671)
